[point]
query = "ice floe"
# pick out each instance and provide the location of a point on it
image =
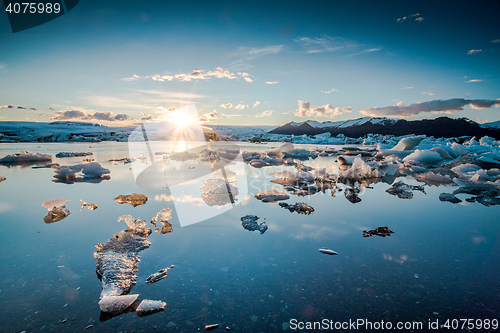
(272, 195)
(380, 231)
(90, 206)
(360, 170)
(148, 307)
(161, 274)
(25, 157)
(249, 222)
(136, 225)
(70, 154)
(404, 191)
(218, 192)
(57, 210)
(164, 215)
(134, 199)
(326, 250)
(114, 305)
(299, 207)
(449, 197)
(90, 172)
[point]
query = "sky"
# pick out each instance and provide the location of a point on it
(255, 62)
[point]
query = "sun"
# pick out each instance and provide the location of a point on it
(181, 119)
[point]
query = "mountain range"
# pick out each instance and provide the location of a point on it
(355, 128)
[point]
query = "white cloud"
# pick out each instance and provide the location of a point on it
(417, 16)
(430, 93)
(267, 113)
(437, 106)
(330, 91)
(496, 41)
(256, 104)
(474, 80)
(239, 106)
(227, 106)
(324, 44)
(306, 110)
(76, 114)
(474, 51)
(407, 88)
(366, 51)
(197, 74)
(245, 54)
(230, 115)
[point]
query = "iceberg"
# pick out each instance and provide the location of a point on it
(449, 197)
(408, 143)
(360, 170)
(249, 222)
(135, 225)
(423, 157)
(25, 157)
(431, 178)
(134, 199)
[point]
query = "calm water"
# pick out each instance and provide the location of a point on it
(442, 262)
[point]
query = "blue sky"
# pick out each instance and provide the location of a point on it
(259, 62)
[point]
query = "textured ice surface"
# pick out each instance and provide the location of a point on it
(436, 179)
(409, 143)
(116, 304)
(272, 195)
(148, 307)
(360, 170)
(423, 157)
(380, 231)
(25, 157)
(250, 223)
(164, 215)
(136, 225)
(70, 154)
(134, 199)
(218, 192)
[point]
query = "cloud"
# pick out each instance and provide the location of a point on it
(474, 51)
(271, 82)
(366, 51)
(496, 41)
(256, 104)
(76, 114)
(330, 91)
(21, 107)
(267, 113)
(430, 93)
(244, 54)
(6, 107)
(197, 74)
(417, 16)
(164, 197)
(210, 116)
(230, 115)
(475, 80)
(239, 106)
(437, 106)
(306, 110)
(324, 44)
(407, 88)
(227, 106)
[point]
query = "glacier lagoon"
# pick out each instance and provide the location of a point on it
(441, 262)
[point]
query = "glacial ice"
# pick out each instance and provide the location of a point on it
(70, 154)
(430, 178)
(326, 250)
(164, 215)
(57, 210)
(423, 157)
(449, 197)
(91, 172)
(272, 195)
(89, 206)
(278, 152)
(148, 307)
(299, 207)
(409, 143)
(115, 305)
(218, 192)
(134, 199)
(161, 274)
(404, 191)
(380, 231)
(136, 225)
(25, 157)
(249, 222)
(360, 170)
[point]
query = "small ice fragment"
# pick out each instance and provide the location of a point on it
(2, 179)
(57, 210)
(47, 165)
(211, 327)
(250, 223)
(327, 251)
(165, 215)
(25, 157)
(137, 226)
(69, 154)
(116, 304)
(89, 206)
(272, 195)
(299, 207)
(134, 199)
(409, 143)
(380, 231)
(155, 277)
(148, 307)
(404, 191)
(449, 197)
(218, 192)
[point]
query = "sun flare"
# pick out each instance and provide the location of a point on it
(181, 119)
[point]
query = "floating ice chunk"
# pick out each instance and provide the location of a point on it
(165, 215)
(117, 261)
(2, 179)
(70, 154)
(93, 170)
(218, 192)
(161, 274)
(134, 199)
(360, 170)
(89, 206)
(136, 225)
(25, 157)
(380, 231)
(299, 207)
(351, 194)
(404, 191)
(57, 210)
(458, 149)
(297, 153)
(423, 157)
(115, 305)
(148, 307)
(486, 140)
(449, 197)
(258, 163)
(409, 143)
(47, 165)
(467, 170)
(443, 153)
(250, 223)
(278, 152)
(346, 159)
(272, 195)
(436, 179)
(326, 250)
(66, 172)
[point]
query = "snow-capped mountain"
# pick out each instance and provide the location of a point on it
(439, 127)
